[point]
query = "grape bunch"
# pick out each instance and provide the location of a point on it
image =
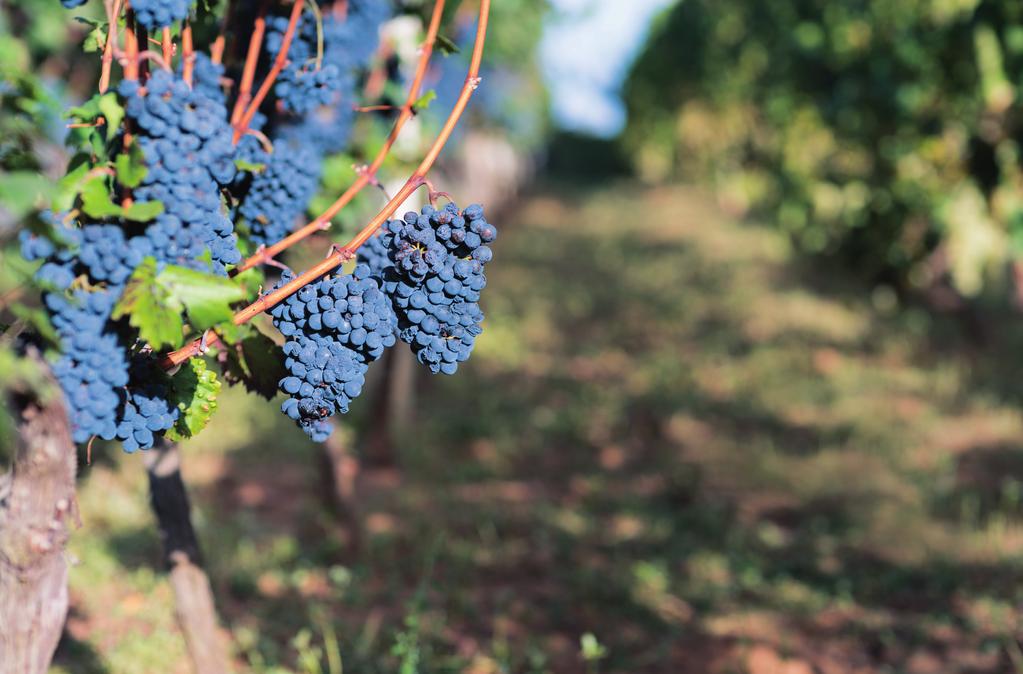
(85, 276)
(206, 76)
(308, 81)
(334, 329)
(157, 14)
(279, 192)
(186, 142)
(318, 89)
(434, 278)
(312, 115)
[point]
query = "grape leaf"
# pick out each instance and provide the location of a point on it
(194, 390)
(423, 102)
(205, 297)
(131, 167)
(113, 112)
(71, 184)
(151, 308)
(143, 211)
(23, 191)
(256, 361)
(96, 39)
(96, 201)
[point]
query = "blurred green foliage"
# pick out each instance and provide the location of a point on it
(878, 132)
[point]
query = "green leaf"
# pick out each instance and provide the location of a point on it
(113, 112)
(194, 390)
(205, 297)
(96, 200)
(447, 45)
(70, 185)
(256, 361)
(151, 308)
(21, 192)
(97, 37)
(143, 211)
(87, 111)
(424, 101)
(251, 167)
(131, 167)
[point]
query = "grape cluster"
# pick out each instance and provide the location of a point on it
(434, 279)
(279, 192)
(157, 14)
(186, 141)
(335, 328)
(308, 81)
(148, 411)
(95, 368)
(312, 115)
(375, 254)
(319, 89)
(206, 76)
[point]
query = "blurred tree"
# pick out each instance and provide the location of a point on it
(882, 134)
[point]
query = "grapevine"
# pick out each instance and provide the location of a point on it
(182, 167)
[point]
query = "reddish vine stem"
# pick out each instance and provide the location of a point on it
(280, 61)
(187, 54)
(108, 49)
(251, 61)
(217, 48)
(345, 253)
(368, 176)
(166, 45)
(131, 49)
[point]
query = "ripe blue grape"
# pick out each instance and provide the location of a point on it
(156, 14)
(186, 142)
(434, 280)
(279, 193)
(93, 369)
(334, 329)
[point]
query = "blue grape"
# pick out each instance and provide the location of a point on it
(206, 76)
(279, 193)
(434, 279)
(157, 14)
(334, 329)
(186, 142)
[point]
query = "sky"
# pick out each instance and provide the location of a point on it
(587, 48)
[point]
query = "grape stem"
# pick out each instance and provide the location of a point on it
(113, 12)
(187, 54)
(280, 61)
(166, 44)
(366, 176)
(346, 252)
(251, 61)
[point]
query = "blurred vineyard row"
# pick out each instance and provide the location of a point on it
(885, 135)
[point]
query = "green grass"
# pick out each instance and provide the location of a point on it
(675, 450)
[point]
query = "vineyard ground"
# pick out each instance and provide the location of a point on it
(672, 436)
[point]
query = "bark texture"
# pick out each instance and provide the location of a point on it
(37, 498)
(193, 596)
